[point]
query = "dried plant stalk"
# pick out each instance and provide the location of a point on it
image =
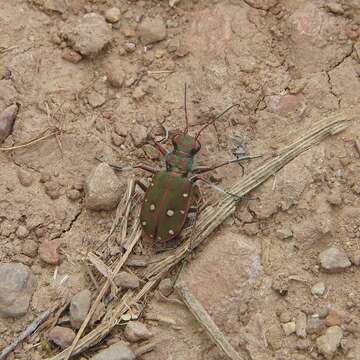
(207, 322)
(208, 221)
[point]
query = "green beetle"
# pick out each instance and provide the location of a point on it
(170, 194)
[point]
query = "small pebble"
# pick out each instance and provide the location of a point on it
(301, 325)
(102, 188)
(127, 280)
(79, 308)
(318, 289)
(323, 312)
(165, 287)
(334, 8)
(355, 257)
(30, 248)
(117, 351)
(88, 34)
(152, 30)
(328, 344)
(285, 316)
(315, 325)
(136, 331)
(139, 135)
(116, 139)
(289, 328)
(7, 119)
(25, 177)
(112, 15)
(334, 259)
(49, 251)
(61, 336)
(22, 232)
(95, 99)
(71, 56)
(130, 47)
(73, 194)
(16, 289)
(333, 318)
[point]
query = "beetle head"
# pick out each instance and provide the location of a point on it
(185, 143)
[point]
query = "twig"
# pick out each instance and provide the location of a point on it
(103, 292)
(145, 348)
(29, 143)
(26, 333)
(207, 322)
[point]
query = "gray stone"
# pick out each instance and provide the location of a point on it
(117, 351)
(165, 286)
(16, 288)
(139, 135)
(79, 308)
(328, 343)
(334, 259)
(127, 280)
(318, 289)
(315, 325)
(152, 30)
(88, 35)
(22, 232)
(61, 336)
(102, 188)
(30, 248)
(301, 325)
(136, 331)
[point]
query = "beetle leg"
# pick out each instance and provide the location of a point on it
(162, 150)
(125, 168)
(215, 187)
(203, 169)
(141, 185)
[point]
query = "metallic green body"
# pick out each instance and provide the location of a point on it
(169, 196)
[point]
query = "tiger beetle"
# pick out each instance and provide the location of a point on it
(170, 194)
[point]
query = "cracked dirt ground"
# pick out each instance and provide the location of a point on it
(288, 63)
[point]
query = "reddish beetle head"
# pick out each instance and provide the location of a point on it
(184, 143)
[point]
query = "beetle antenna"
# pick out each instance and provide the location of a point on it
(186, 116)
(213, 121)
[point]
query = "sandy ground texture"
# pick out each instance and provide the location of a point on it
(95, 78)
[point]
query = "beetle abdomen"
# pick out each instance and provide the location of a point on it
(166, 206)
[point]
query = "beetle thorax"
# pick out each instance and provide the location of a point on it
(180, 160)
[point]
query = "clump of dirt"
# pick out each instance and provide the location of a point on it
(93, 79)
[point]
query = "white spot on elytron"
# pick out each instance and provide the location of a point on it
(144, 223)
(182, 212)
(151, 235)
(171, 232)
(170, 212)
(152, 207)
(159, 237)
(185, 195)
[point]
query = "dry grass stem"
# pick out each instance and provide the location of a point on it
(207, 322)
